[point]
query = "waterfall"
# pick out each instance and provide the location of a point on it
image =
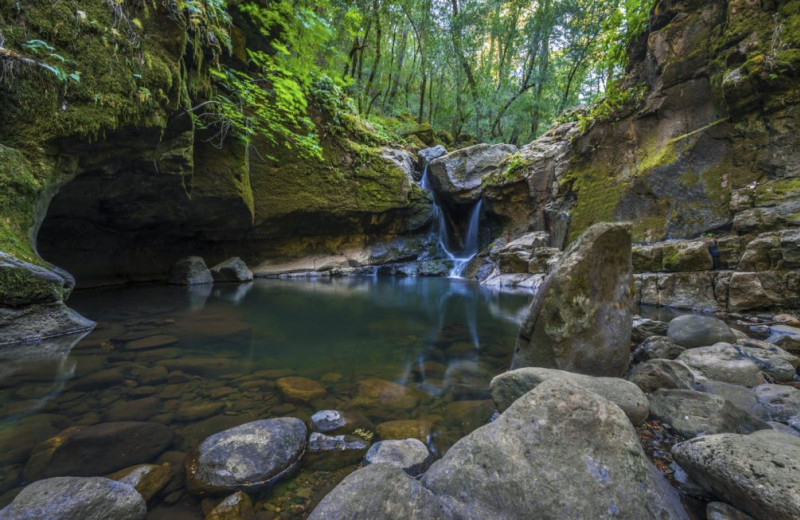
(460, 259)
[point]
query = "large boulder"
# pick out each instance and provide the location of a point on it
(515, 256)
(559, 451)
(657, 347)
(661, 373)
(379, 491)
(644, 328)
(410, 455)
(757, 473)
(109, 447)
(76, 498)
(692, 330)
(232, 270)
(332, 452)
(782, 402)
(724, 363)
(429, 154)
(690, 413)
(580, 320)
(510, 386)
(249, 457)
(457, 175)
(191, 270)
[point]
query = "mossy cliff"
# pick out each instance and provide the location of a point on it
(103, 170)
(702, 132)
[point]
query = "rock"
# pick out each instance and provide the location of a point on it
(191, 270)
(38, 322)
(457, 175)
(429, 154)
(405, 429)
(515, 256)
(410, 455)
(657, 347)
(644, 329)
(661, 373)
(724, 363)
(379, 396)
(741, 397)
(109, 447)
(693, 330)
(232, 270)
(580, 319)
(334, 422)
(556, 434)
(690, 413)
(301, 390)
(681, 256)
(786, 337)
(510, 386)
(76, 498)
(720, 511)
(332, 452)
(147, 479)
(237, 506)
(250, 457)
(133, 410)
(379, 491)
(195, 411)
(787, 319)
(757, 473)
(782, 402)
(150, 342)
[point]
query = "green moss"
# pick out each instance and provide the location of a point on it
(598, 192)
(651, 156)
(777, 191)
(19, 285)
(650, 228)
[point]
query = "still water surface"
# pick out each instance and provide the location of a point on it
(219, 350)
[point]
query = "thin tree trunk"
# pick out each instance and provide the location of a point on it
(377, 61)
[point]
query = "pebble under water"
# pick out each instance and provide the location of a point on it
(204, 359)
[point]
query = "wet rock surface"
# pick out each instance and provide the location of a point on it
(191, 270)
(232, 270)
(410, 455)
(331, 452)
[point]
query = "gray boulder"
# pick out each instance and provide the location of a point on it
(510, 386)
(559, 451)
(580, 319)
(782, 402)
(657, 347)
(724, 363)
(693, 330)
(109, 447)
(644, 328)
(232, 270)
(662, 373)
(191, 270)
(457, 175)
(516, 256)
(379, 491)
(691, 413)
(410, 455)
(720, 511)
(332, 452)
(333, 422)
(76, 498)
(429, 154)
(249, 457)
(757, 473)
(739, 396)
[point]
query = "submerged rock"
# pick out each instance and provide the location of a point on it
(76, 498)
(510, 386)
(250, 457)
(691, 413)
(580, 320)
(757, 473)
(191, 270)
(559, 451)
(296, 389)
(693, 330)
(379, 491)
(147, 479)
(333, 422)
(410, 455)
(98, 449)
(237, 506)
(232, 270)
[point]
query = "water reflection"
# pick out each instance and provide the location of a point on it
(163, 353)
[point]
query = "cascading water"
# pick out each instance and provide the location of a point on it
(460, 259)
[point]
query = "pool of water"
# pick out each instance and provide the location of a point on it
(442, 340)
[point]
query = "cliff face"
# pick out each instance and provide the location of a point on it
(701, 141)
